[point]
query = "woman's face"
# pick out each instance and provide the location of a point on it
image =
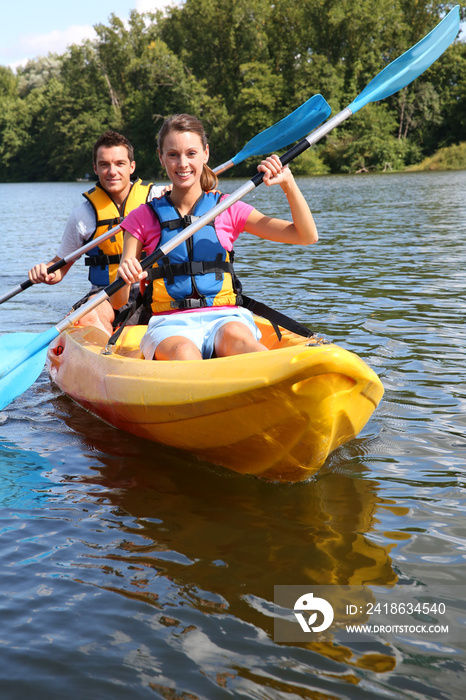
(183, 157)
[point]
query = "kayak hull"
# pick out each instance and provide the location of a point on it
(276, 414)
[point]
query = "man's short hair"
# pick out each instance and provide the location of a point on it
(109, 139)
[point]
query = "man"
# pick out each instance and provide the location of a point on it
(113, 197)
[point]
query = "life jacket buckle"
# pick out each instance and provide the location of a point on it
(197, 267)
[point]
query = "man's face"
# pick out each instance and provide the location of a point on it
(114, 168)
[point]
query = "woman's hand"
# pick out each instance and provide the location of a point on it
(303, 230)
(131, 271)
(275, 173)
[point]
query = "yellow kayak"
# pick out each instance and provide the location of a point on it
(276, 414)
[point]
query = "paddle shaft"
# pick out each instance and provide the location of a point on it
(71, 257)
(224, 166)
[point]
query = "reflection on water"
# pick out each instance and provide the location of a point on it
(132, 570)
(169, 538)
(22, 484)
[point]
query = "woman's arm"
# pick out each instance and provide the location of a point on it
(130, 269)
(302, 231)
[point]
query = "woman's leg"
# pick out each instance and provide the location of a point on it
(177, 347)
(235, 338)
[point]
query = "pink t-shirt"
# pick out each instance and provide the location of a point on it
(143, 224)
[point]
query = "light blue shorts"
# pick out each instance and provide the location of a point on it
(199, 326)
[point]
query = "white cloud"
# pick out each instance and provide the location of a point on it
(35, 45)
(52, 42)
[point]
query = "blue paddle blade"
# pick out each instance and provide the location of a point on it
(22, 360)
(288, 130)
(412, 63)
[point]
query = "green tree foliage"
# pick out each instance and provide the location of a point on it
(448, 77)
(13, 121)
(160, 87)
(36, 74)
(240, 66)
(352, 37)
(258, 98)
(214, 38)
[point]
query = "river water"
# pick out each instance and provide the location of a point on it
(129, 570)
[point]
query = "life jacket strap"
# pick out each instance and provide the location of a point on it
(110, 222)
(182, 221)
(190, 267)
(189, 303)
(102, 260)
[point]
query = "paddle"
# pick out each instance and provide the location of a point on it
(21, 363)
(71, 257)
(288, 130)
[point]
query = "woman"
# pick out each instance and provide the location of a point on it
(194, 289)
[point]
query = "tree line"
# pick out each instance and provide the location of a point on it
(239, 66)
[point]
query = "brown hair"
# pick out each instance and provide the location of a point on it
(109, 139)
(185, 122)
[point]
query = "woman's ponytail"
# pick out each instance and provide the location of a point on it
(209, 180)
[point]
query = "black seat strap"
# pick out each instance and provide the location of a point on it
(276, 318)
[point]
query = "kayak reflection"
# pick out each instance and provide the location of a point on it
(237, 530)
(192, 537)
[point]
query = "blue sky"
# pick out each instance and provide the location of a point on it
(32, 28)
